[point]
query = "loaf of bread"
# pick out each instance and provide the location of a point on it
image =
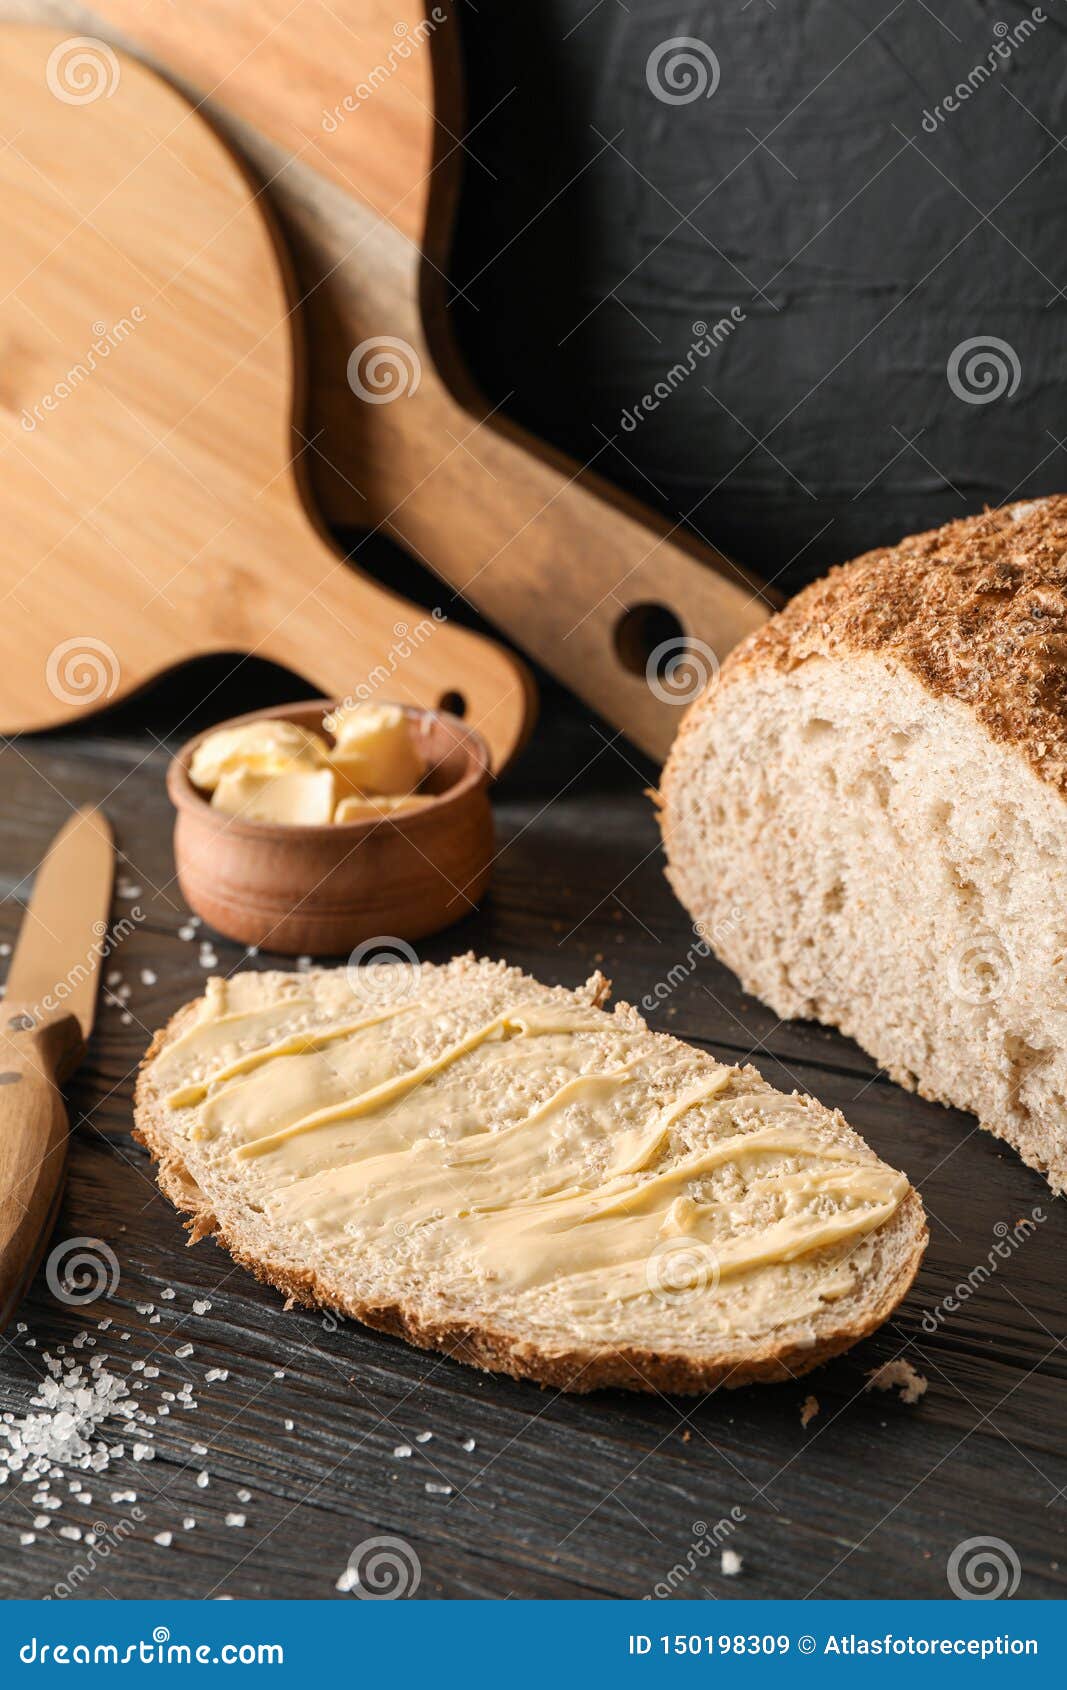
(504, 1171)
(865, 815)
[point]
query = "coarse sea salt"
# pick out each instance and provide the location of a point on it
(62, 1427)
(83, 1418)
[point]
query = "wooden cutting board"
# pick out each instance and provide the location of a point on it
(589, 582)
(150, 490)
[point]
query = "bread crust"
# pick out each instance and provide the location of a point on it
(577, 1369)
(976, 610)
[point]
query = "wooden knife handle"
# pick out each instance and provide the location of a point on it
(33, 1142)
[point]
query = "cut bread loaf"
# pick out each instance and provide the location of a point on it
(504, 1171)
(866, 816)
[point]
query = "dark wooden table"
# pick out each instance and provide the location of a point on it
(550, 1496)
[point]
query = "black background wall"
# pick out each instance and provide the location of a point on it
(599, 223)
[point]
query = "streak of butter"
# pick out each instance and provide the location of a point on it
(379, 806)
(374, 750)
(262, 748)
(577, 1195)
(297, 798)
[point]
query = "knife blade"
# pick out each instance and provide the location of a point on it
(60, 942)
(46, 1018)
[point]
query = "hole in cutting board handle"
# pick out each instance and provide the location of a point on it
(454, 703)
(649, 634)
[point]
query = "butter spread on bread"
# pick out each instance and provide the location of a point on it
(505, 1170)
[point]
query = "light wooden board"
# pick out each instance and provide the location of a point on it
(553, 556)
(150, 497)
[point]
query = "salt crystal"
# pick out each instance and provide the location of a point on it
(235, 1519)
(167, 1294)
(183, 1351)
(402, 1451)
(203, 1480)
(201, 1306)
(244, 1496)
(423, 1437)
(188, 1523)
(288, 1424)
(73, 1532)
(164, 1539)
(468, 1444)
(348, 1580)
(187, 932)
(438, 1490)
(27, 1537)
(149, 976)
(731, 1563)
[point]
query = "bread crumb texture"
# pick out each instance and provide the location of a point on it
(866, 817)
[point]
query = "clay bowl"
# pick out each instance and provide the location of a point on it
(325, 890)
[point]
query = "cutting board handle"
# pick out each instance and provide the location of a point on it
(357, 640)
(622, 605)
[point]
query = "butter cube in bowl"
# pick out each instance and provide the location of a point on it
(310, 828)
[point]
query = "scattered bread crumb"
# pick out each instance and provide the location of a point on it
(809, 1409)
(894, 1375)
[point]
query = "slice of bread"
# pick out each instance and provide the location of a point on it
(504, 1171)
(866, 816)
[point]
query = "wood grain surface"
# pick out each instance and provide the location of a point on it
(151, 491)
(578, 574)
(558, 1497)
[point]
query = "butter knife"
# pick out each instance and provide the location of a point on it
(45, 1021)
